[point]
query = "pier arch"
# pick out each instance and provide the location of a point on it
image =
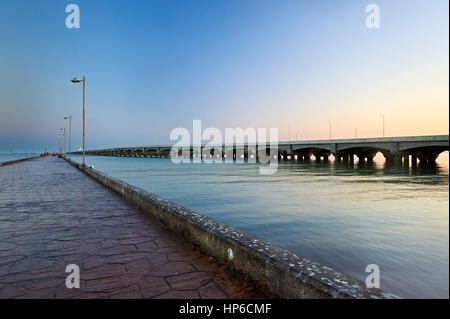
(305, 153)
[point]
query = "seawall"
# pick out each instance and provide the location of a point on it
(18, 161)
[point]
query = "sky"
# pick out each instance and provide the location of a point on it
(152, 66)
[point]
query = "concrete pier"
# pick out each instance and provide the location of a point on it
(53, 215)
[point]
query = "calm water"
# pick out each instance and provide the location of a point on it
(341, 216)
(6, 157)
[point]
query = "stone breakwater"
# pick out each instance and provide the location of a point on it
(276, 271)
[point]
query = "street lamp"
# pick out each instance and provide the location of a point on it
(75, 80)
(382, 116)
(60, 141)
(356, 132)
(63, 132)
(329, 122)
(289, 134)
(70, 129)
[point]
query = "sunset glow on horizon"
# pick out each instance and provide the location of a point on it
(158, 65)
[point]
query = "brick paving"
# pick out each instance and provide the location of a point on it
(52, 215)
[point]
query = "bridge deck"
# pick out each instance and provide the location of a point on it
(395, 139)
(52, 215)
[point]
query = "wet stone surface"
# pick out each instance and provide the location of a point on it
(53, 215)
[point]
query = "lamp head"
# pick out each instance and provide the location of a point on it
(75, 80)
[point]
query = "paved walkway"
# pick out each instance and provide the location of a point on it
(52, 215)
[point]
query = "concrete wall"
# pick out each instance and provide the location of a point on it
(18, 161)
(276, 271)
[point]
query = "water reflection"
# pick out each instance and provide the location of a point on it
(343, 215)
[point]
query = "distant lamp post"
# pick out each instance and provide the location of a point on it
(384, 122)
(356, 132)
(64, 142)
(289, 134)
(70, 129)
(75, 80)
(60, 141)
(63, 134)
(329, 122)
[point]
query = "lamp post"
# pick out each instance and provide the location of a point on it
(289, 134)
(64, 142)
(70, 129)
(382, 116)
(329, 122)
(63, 134)
(75, 80)
(356, 132)
(60, 141)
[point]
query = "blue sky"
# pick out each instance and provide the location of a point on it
(153, 65)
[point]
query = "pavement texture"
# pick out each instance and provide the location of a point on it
(53, 215)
